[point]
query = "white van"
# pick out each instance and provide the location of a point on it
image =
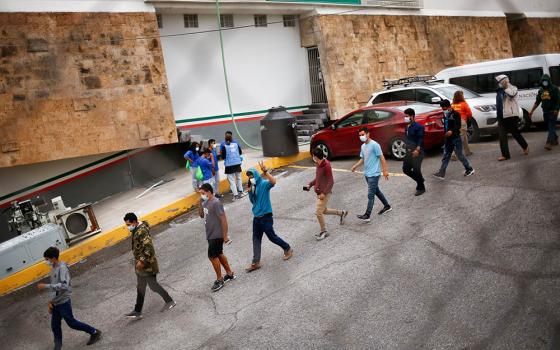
(523, 72)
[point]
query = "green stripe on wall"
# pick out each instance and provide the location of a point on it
(242, 114)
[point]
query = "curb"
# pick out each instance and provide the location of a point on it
(103, 240)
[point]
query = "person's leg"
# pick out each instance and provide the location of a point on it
(465, 138)
(514, 130)
(372, 188)
(217, 182)
(380, 194)
(232, 184)
(239, 180)
(194, 180)
(459, 151)
(225, 263)
(447, 151)
(504, 147)
(257, 239)
(553, 137)
(156, 287)
(416, 164)
(68, 316)
(140, 292)
(320, 210)
(56, 328)
(407, 167)
(268, 223)
(217, 268)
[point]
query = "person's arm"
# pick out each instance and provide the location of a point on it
(62, 285)
(312, 183)
(330, 180)
(200, 209)
(240, 150)
(536, 104)
(360, 162)
(147, 252)
(384, 167)
(224, 223)
(266, 175)
(420, 143)
(468, 110)
(223, 151)
(187, 157)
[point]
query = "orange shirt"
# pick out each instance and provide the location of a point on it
(463, 109)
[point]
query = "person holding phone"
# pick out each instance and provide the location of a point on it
(323, 184)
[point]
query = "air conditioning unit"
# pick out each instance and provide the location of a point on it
(78, 223)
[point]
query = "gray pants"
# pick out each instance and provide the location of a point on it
(154, 285)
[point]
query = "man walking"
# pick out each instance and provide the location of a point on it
(507, 110)
(212, 147)
(452, 129)
(207, 166)
(259, 195)
(215, 222)
(323, 184)
(374, 162)
(549, 96)
(60, 306)
(146, 265)
(412, 164)
(231, 152)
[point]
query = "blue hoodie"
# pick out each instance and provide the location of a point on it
(260, 196)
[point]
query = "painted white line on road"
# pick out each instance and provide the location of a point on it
(339, 170)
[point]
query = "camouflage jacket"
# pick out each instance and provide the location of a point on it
(143, 250)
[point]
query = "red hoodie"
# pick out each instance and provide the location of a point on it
(324, 180)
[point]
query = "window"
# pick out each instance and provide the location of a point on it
(382, 98)
(555, 75)
(289, 20)
(425, 95)
(159, 20)
(190, 21)
(486, 83)
(353, 120)
(403, 95)
(449, 91)
(260, 21)
(226, 21)
(526, 79)
(377, 116)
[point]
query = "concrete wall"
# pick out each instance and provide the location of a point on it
(75, 84)
(530, 36)
(358, 52)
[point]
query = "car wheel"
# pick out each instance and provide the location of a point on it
(473, 133)
(524, 122)
(398, 148)
(326, 151)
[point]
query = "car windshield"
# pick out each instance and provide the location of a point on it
(449, 90)
(419, 108)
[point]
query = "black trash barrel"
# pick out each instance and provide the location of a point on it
(279, 133)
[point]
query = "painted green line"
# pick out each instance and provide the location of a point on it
(200, 119)
(44, 182)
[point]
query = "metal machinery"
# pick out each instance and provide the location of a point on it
(25, 216)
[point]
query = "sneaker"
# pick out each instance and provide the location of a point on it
(439, 176)
(219, 284)
(364, 218)
(322, 235)
(94, 338)
(231, 277)
(343, 216)
(253, 267)
(288, 254)
(168, 306)
(242, 194)
(526, 151)
(135, 315)
(469, 172)
(385, 209)
(548, 147)
(419, 192)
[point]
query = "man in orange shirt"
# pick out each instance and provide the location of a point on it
(461, 106)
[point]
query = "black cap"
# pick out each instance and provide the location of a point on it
(445, 104)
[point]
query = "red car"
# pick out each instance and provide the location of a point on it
(387, 126)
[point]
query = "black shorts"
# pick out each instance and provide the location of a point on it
(215, 247)
(233, 169)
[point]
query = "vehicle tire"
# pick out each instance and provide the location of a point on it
(325, 149)
(473, 133)
(524, 122)
(397, 147)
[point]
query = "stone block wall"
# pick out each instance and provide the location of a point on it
(358, 52)
(75, 84)
(533, 36)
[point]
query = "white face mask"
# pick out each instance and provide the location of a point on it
(545, 83)
(407, 120)
(253, 181)
(204, 197)
(131, 227)
(197, 149)
(363, 138)
(50, 263)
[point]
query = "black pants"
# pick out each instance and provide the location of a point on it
(412, 167)
(509, 125)
(141, 289)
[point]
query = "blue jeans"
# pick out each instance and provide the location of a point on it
(64, 311)
(373, 190)
(450, 145)
(550, 121)
(264, 225)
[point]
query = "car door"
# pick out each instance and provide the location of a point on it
(346, 139)
(382, 125)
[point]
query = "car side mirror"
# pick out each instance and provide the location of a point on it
(333, 126)
(436, 99)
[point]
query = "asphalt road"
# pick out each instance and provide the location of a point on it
(472, 264)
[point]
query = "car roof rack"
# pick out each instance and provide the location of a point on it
(424, 79)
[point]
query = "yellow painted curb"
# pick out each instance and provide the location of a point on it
(109, 238)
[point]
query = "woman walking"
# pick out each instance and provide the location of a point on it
(462, 107)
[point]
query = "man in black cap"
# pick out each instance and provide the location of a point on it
(452, 129)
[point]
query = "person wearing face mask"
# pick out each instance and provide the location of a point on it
(146, 265)
(507, 111)
(60, 306)
(452, 129)
(192, 156)
(215, 222)
(549, 98)
(374, 162)
(207, 167)
(323, 184)
(412, 164)
(259, 195)
(231, 153)
(212, 147)
(462, 107)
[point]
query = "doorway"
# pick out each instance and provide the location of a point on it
(318, 94)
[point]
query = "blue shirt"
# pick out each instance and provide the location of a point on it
(192, 155)
(371, 154)
(231, 153)
(215, 155)
(415, 136)
(260, 195)
(206, 167)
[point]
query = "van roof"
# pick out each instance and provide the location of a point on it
(536, 60)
